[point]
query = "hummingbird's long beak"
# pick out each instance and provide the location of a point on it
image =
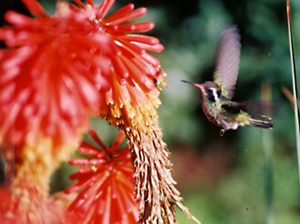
(197, 85)
(189, 82)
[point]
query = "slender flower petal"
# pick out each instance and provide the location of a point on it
(105, 184)
(35, 8)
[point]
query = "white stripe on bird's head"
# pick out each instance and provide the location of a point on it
(215, 94)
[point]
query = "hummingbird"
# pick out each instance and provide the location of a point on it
(216, 95)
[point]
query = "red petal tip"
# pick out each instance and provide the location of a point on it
(35, 8)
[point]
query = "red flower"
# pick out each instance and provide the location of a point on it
(105, 184)
(49, 82)
(56, 66)
(134, 71)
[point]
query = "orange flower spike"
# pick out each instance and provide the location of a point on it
(131, 104)
(105, 184)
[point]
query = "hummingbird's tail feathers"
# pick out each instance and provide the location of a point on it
(262, 121)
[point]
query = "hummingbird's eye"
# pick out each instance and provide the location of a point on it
(212, 94)
(210, 90)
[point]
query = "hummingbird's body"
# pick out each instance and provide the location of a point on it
(219, 116)
(216, 96)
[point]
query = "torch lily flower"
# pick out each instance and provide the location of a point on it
(105, 183)
(131, 104)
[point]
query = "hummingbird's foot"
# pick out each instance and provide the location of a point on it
(222, 132)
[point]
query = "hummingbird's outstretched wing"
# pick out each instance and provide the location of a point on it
(228, 61)
(244, 115)
(251, 107)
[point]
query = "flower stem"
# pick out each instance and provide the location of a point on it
(155, 186)
(294, 81)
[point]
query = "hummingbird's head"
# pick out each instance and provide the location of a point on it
(210, 90)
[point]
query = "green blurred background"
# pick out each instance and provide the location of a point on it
(249, 175)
